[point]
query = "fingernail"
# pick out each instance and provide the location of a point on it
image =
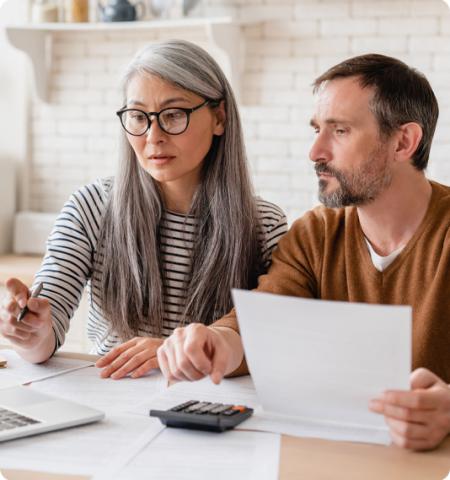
(22, 302)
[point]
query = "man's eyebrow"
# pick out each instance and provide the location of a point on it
(330, 121)
(163, 104)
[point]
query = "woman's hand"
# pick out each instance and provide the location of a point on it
(196, 351)
(135, 357)
(418, 419)
(33, 336)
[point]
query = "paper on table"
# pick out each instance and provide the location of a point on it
(19, 371)
(234, 390)
(85, 450)
(86, 386)
(236, 455)
(178, 454)
(320, 362)
(92, 448)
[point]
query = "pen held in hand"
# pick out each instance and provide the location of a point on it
(34, 294)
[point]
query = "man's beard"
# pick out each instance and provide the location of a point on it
(358, 187)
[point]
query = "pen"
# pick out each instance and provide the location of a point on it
(34, 294)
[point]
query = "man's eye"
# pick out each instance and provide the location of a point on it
(340, 131)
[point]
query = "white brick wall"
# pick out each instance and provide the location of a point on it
(74, 138)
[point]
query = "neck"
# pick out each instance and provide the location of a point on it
(393, 217)
(177, 196)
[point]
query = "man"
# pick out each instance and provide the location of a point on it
(382, 236)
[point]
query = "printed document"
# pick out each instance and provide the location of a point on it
(316, 364)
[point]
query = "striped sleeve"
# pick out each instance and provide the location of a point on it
(273, 225)
(68, 261)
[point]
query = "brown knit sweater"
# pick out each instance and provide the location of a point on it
(324, 255)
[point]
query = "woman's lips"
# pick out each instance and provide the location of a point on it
(160, 159)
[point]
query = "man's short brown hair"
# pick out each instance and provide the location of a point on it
(402, 95)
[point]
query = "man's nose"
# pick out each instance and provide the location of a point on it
(320, 151)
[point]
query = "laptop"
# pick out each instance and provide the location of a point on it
(25, 412)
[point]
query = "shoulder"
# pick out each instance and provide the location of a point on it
(96, 193)
(319, 223)
(441, 193)
(270, 215)
(439, 211)
(85, 209)
(321, 217)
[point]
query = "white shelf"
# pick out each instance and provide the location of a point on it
(36, 40)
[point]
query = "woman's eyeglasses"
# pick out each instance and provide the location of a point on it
(173, 121)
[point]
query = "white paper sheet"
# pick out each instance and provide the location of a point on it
(89, 449)
(179, 454)
(234, 390)
(86, 386)
(19, 371)
(321, 362)
(85, 450)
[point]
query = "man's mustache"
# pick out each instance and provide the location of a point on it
(324, 168)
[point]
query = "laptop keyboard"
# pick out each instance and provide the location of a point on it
(10, 420)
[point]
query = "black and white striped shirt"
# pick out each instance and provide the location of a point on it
(68, 265)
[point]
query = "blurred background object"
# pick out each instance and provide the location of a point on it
(172, 8)
(44, 11)
(121, 11)
(7, 203)
(76, 10)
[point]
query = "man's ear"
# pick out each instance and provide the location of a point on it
(408, 139)
(220, 118)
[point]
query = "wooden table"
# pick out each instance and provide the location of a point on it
(22, 267)
(314, 459)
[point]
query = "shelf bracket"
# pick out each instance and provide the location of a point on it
(37, 44)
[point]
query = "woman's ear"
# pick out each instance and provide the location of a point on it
(220, 118)
(408, 140)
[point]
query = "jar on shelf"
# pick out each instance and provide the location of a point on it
(76, 10)
(44, 11)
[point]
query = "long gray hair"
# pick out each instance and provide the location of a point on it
(227, 252)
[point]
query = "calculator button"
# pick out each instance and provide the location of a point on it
(184, 405)
(229, 412)
(208, 408)
(220, 409)
(240, 408)
(196, 407)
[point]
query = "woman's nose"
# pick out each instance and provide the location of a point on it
(154, 134)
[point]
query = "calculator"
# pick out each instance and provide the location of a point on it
(196, 415)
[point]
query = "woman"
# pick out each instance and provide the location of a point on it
(162, 244)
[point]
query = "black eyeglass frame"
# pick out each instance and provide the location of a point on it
(187, 111)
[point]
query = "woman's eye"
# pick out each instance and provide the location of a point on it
(138, 117)
(174, 115)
